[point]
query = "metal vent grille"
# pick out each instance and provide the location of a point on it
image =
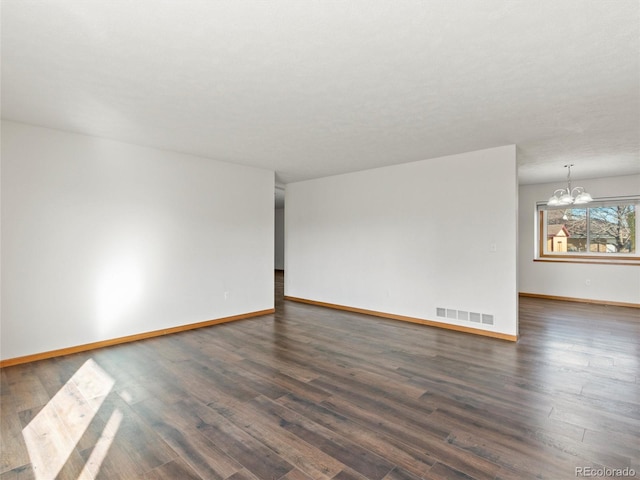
(487, 319)
(465, 316)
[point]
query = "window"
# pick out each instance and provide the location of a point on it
(603, 230)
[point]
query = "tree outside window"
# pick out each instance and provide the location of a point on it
(600, 230)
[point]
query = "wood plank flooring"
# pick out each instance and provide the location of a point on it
(313, 393)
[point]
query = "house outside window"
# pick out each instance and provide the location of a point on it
(604, 230)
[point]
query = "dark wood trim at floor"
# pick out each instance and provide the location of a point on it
(129, 338)
(314, 393)
(580, 300)
(404, 318)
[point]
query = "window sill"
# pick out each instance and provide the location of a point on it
(598, 261)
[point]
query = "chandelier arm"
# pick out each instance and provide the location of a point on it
(568, 196)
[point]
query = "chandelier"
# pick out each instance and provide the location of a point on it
(569, 196)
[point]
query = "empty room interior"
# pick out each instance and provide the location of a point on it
(298, 240)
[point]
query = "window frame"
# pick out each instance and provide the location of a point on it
(587, 257)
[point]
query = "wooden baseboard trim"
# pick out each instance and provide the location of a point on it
(403, 318)
(580, 300)
(129, 338)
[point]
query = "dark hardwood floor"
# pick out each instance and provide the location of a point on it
(316, 393)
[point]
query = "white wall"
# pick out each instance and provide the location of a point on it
(613, 283)
(279, 239)
(102, 239)
(410, 238)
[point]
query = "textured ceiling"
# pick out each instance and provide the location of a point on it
(315, 88)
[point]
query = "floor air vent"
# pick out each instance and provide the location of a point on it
(463, 315)
(487, 319)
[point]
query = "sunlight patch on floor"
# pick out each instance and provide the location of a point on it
(54, 432)
(99, 452)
